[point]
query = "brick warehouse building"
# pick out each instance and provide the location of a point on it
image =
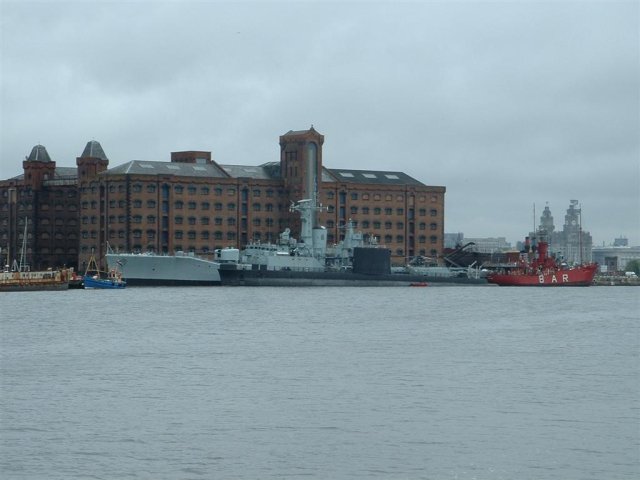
(45, 201)
(195, 204)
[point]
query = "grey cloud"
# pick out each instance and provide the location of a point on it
(506, 104)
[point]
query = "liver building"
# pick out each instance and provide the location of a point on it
(572, 244)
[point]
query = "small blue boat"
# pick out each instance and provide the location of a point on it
(108, 282)
(94, 278)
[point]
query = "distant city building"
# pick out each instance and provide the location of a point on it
(489, 244)
(616, 258)
(195, 204)
(453, 240)
(481, 244)
(621, 242)
(572, 244)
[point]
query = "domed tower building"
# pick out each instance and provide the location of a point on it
(572, 244)
(546, 221)
(39, 214)
(91, 163)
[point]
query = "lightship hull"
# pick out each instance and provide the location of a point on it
(164, 270)
(576, 277)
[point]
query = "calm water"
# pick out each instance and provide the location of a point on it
(254, 383)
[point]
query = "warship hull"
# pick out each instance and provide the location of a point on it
(164, 270)
(232, 276)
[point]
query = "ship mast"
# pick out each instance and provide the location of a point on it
(580, 231)
(23, 251)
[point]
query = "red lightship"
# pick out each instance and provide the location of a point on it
(542, 271)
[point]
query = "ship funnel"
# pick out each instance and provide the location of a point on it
(311, 181)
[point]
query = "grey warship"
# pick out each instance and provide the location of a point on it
(310, 262)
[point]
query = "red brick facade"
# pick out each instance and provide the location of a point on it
(161, 207)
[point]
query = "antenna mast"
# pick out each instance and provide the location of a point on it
(580, 230)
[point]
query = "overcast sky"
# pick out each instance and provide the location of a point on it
(506, 104)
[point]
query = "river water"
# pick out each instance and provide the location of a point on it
(335, 383)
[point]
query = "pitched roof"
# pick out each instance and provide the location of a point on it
(59, 173)
(93, 150)
(373, 177)
(301, 132)
(39, 154)
(326, 175)
(142, 167)
(267, 171)
(66, 172)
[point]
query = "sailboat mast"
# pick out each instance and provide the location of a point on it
(23, 251)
